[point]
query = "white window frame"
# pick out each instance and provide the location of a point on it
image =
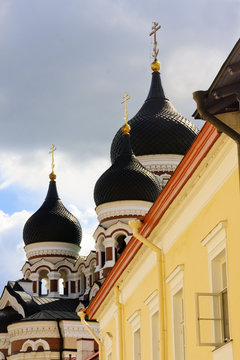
(135, 321)
(176, 281)
(215, 243)
(152, 303)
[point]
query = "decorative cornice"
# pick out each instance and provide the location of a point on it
(122, 208)
(200, 148)
(53, 255)
(52, 248)
(160, 163)
(33, 329)
(75, 329)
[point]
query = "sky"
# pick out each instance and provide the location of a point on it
(64, 67)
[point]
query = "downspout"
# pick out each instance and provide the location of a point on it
(120, 327)
(200, 99)
(61, 339)
(82, 314)
(135, 225)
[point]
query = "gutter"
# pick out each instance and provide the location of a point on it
(200, 99)
(82, 314)
(135, 225)
(61, 339)
(120, 322)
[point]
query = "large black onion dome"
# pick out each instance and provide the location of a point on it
(52, 222)
(126, 179)
(157, 128)
(8, 316)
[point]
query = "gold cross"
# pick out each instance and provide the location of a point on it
(126, 97)
(155, 28)
(53, 148)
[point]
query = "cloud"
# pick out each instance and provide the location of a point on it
(187, 71)
(11, 245)
(63, 73)
(89, 224)
(27, 173)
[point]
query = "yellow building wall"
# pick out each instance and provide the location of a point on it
(189, 251)
(135, 302)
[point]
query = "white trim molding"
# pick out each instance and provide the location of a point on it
(161, 162)
(122, 208)
(51, 248)
(135, 320)
(33, 329)
(175, 279)
(152, 302)
(215, 241)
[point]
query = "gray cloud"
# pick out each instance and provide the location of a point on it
(65, 65)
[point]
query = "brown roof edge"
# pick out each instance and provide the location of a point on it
(220, 73)
(199, 149)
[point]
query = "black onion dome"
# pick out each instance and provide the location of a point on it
(126, 179)
(8, 316)
(157, 128)
(52, 222)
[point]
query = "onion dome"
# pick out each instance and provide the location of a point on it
(52, 221)
(8, 316)
(157, 128)
(126, 179)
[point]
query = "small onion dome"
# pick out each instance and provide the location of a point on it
(126, 179)
(8, 316)
(52, 222)
(157, 128)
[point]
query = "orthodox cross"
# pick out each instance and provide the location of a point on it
(126, 97)
(53, 148)
(155, 28)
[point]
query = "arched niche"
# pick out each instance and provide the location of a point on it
(43, 281)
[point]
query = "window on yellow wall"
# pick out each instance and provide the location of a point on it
(137, 344)
(135, 322)
(175, 280)
(179, 326)
(219, 284)
(152, 304)
(212, 308)
(155, 337)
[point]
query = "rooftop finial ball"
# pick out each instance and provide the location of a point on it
(155, 65)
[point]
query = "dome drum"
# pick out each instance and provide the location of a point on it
(110, 213)
(52, 251)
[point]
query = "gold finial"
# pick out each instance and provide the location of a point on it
(52, 176)
(155, 66)
(126, 127)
